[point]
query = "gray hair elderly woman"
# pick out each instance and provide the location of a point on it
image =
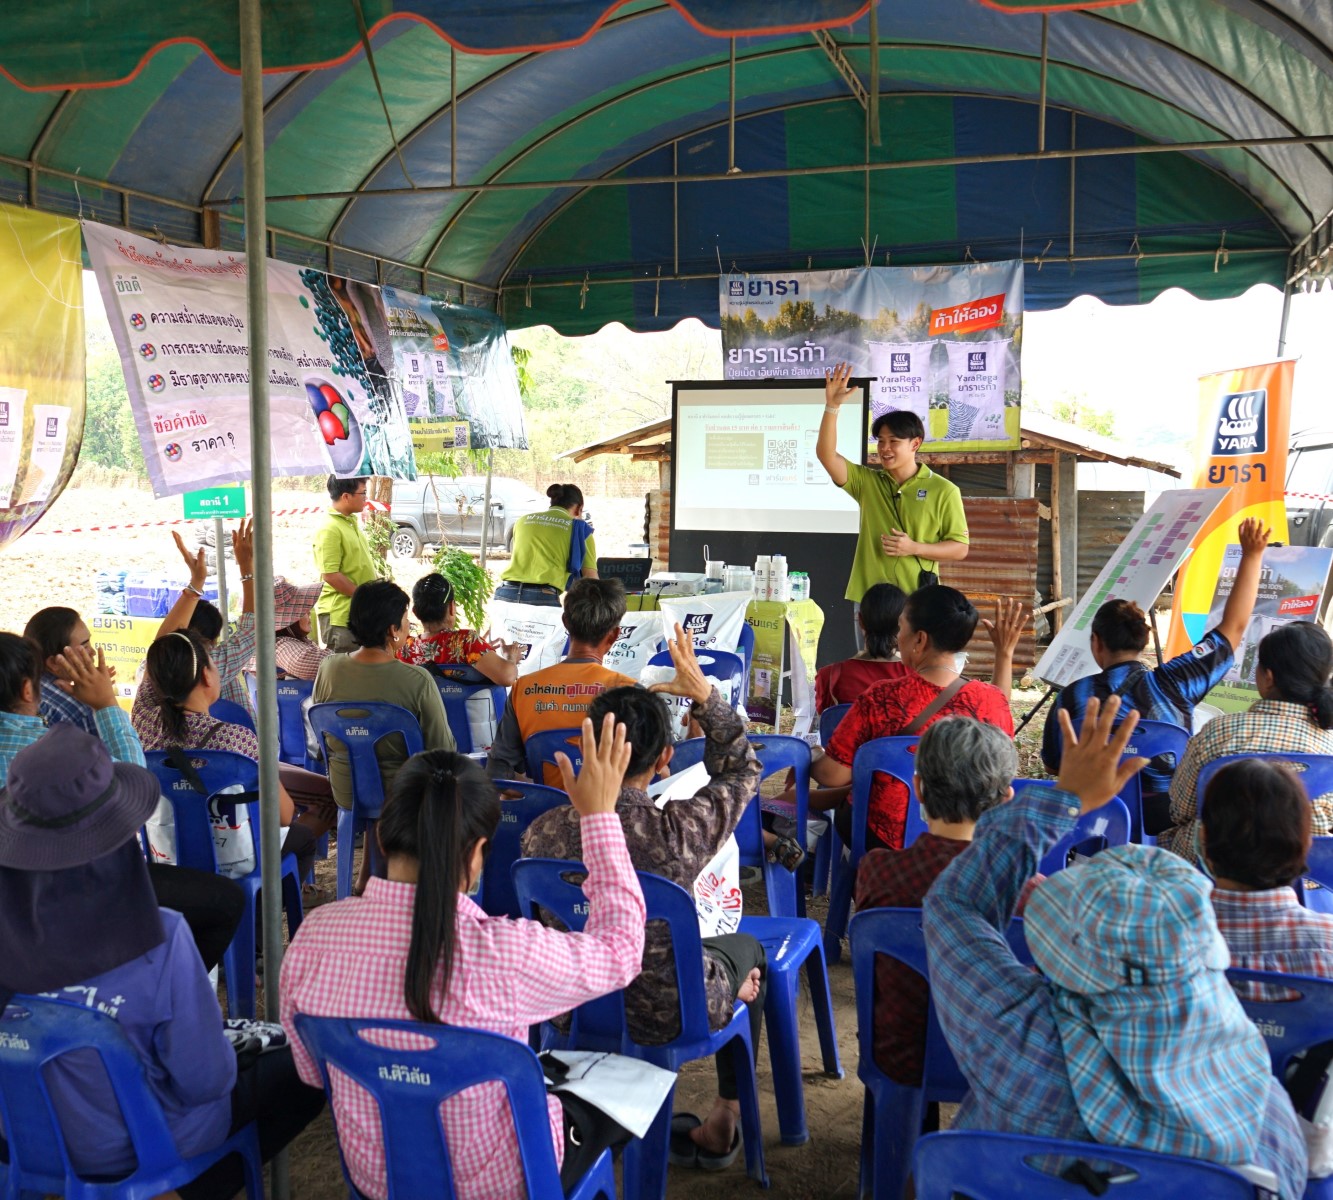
(963, 768)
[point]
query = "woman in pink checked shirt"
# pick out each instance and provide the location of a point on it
(415, 947)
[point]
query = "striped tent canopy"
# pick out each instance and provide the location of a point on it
(576, 162)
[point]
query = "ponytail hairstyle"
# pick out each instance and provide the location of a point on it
(175, 665)
(431, 597)
(1122, 625)
(1300, 658)
(881, 607)
(565, 495)
(442, 805)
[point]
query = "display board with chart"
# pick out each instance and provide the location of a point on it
(1138, 571)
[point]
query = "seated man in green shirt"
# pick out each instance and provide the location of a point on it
(911, 518)
(343, 560)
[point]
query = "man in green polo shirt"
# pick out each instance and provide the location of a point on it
(911, 518)
(344, 561)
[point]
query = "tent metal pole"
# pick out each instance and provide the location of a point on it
(219, 554)
(872, 91)
(486, 506)
(1045, 62)
(1073, 181)
(1208, 146)
(453, 115)
(1282, 323)
(675, 209)
(261, 483)
(731, 107)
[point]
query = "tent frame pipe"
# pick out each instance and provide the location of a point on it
(1045, 63)
(731, 107)
(1282, 323)
(943, 160)
(1032, 259)
(453, 114)
(261, 483)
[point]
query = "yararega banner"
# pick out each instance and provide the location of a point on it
(456, 374)
(41, 367)
(1244, 427)
(943, 342)
(179, 318)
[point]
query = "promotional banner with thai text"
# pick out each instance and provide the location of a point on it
(1244, 427)
(41, 366)
(178, 315)
(456, 374)
(943, 342)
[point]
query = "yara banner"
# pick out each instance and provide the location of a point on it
(1244, 425)
(178, 315)
(943, 342)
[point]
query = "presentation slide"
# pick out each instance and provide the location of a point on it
(745, 459)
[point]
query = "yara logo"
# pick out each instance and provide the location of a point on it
(1242, 424)
(696, 624)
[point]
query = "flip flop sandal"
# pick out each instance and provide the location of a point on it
(787, 853)
(683, 1150)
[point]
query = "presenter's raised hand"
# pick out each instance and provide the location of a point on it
(836, 390)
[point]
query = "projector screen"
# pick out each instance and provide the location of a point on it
(745, 458)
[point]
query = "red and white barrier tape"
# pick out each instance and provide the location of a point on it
(1320, 496)
(371, 506)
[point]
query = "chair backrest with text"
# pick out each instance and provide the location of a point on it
(497, 895)
(409, 1085)
(359, 726)
(540, 750)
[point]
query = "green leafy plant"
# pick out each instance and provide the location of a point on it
(379, 529)
(472, 584)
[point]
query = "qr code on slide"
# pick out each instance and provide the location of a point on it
(780, 454)
(460, 437)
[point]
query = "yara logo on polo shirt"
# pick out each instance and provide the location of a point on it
(1242, 424)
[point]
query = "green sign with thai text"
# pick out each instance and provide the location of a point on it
(215, 502)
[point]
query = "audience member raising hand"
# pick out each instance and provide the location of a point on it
(690, 682)
(1091, 766)
(596, 787)
(83, 674)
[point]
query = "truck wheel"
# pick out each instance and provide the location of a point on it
(405, 542)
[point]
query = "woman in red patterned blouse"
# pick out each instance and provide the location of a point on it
(434, 606)
(937, 623)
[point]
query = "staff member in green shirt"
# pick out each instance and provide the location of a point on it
(911, 518)
(550, 549)
(343, 560)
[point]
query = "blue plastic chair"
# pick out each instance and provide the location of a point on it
(600, 1024)
(1315, 771)
(1151, 738)
(790, 941)
(455, 695)
(997, 1166)
(408, 1087)
(359, 726)
(497, 895)
(893, 756)
(1093, 832)
(829, 720)
(721, 665)
(776, 752)
(893, 1112)
(219, 769)
(37, 1031)
(540, 750)
(292, 746)
(231, 712)
(745, 649)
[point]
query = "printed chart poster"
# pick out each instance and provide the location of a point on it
(1244, 426)
(178, 315)
(41, 363)
(943, 342)
(1290, 589)
(1137, 571)
(454, 370)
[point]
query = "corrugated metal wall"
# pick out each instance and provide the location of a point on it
(1003, 560)
(1104, 518)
